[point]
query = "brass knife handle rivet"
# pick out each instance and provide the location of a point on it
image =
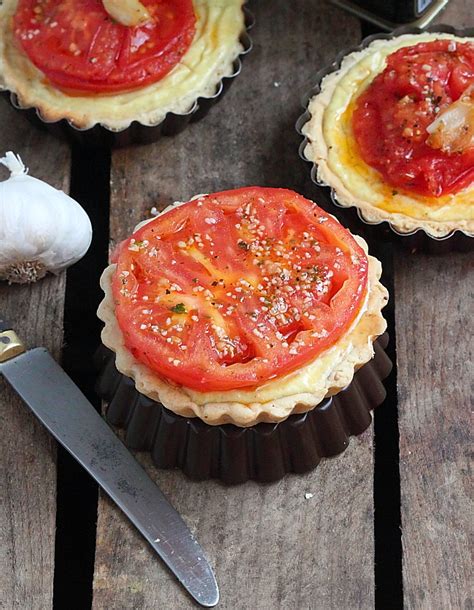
(10, 345)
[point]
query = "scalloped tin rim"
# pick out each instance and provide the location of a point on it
(244, 39)
(265, 452)
(315, 89)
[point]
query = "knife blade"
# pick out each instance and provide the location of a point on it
(64, 410)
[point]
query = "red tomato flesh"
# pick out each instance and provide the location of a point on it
(78, 46)
(392, 114)
(236, 288)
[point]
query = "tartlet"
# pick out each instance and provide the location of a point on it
(344, 118)
(134, 96)
(242, 307)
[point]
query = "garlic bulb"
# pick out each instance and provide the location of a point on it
(41, 228)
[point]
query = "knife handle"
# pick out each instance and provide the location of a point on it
(10, 344)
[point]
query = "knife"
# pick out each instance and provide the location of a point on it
(64, 410)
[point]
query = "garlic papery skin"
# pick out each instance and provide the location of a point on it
(41, 228)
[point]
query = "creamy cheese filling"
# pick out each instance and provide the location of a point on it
(216, 45)
(300, 381)
(360, 181)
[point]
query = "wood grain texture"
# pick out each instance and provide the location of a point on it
(457, 13)
(270, 547)
(27, 454)
(435, 372)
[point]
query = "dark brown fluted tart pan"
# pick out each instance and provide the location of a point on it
(265, 452)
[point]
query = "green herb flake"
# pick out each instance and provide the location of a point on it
(178, 308)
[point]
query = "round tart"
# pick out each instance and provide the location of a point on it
(111, 63)
(242, 306)
(391, 130)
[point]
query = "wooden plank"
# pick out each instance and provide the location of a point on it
(434, 356)
(27, 454)
(434, 347)
(458, 13)
(269, 545)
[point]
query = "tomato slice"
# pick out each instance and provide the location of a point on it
(392, 114)
(236, 288)
(80, 48)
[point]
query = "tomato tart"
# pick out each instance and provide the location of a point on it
(242, 306)
(117, 62)
(391, 130)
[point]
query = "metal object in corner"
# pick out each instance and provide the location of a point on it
(388, 25)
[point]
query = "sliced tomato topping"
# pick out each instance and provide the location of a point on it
(392, 114)
(78, 47)
(236, 288)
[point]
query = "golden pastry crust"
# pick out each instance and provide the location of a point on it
(332, 147)
(209, 59)
(331, 372)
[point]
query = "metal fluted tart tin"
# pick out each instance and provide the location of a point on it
(415, 241)
(264, 452)
(136, 133)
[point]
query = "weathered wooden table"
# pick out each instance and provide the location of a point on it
(389, 521)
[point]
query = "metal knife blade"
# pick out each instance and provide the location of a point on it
(72, 420)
